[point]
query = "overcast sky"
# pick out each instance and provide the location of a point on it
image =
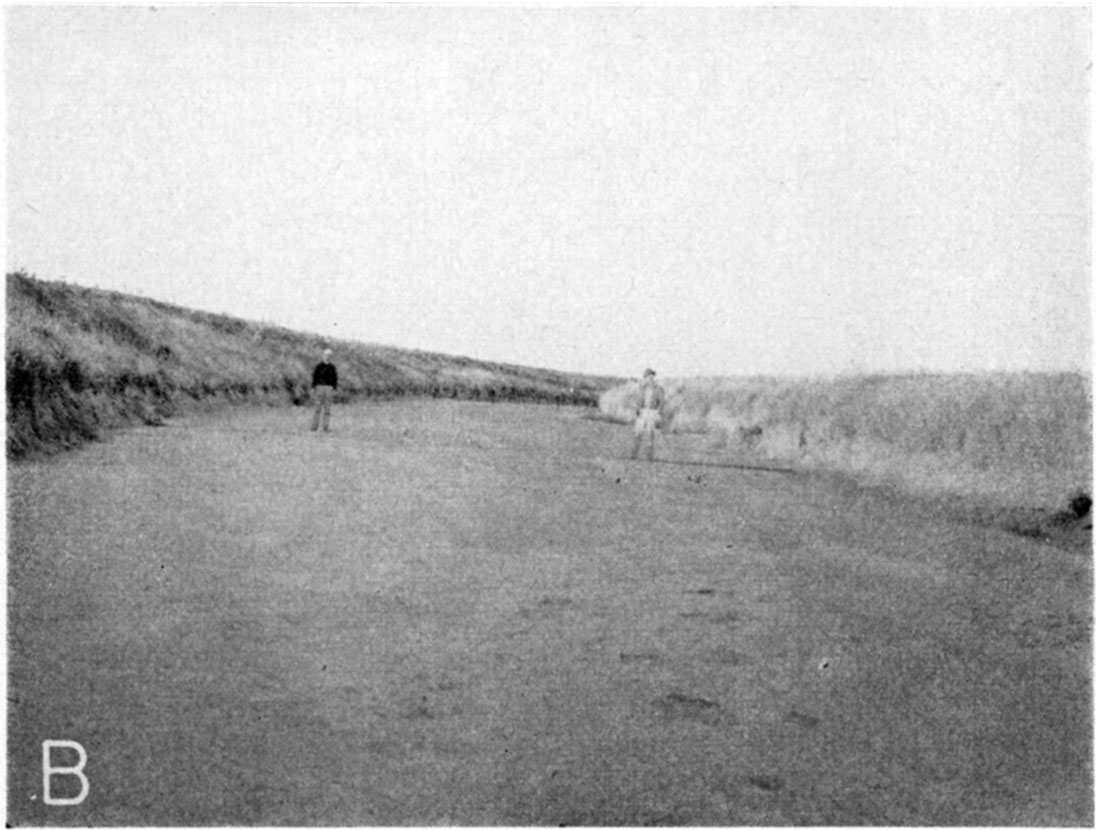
(721, 190)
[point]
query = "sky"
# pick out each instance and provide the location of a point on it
(719, 190)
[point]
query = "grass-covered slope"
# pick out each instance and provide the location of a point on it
(80, 360)
(1021, 438)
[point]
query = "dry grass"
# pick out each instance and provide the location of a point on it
(80, 360)
(1018, 438)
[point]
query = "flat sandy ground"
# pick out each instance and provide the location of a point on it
(462, 613)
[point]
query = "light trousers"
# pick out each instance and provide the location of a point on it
(322, 406)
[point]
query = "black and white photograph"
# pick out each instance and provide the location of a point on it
(461, 415)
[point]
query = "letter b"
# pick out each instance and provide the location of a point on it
(49, 771)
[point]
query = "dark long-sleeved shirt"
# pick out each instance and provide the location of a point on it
(324, 374)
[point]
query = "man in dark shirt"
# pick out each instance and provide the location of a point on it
(323, 388)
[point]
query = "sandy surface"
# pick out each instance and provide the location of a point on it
(460, 613)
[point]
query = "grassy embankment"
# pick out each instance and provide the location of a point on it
(1022, 440)
(80, 360)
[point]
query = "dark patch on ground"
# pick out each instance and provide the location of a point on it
(801, 719)
(1069, 528)
(1052, 630)
(677, 705)
(729, 657)
(767, 783)
(638, 657)
(693, 615)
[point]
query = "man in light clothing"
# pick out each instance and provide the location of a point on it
(322, 390)
(648, 415)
